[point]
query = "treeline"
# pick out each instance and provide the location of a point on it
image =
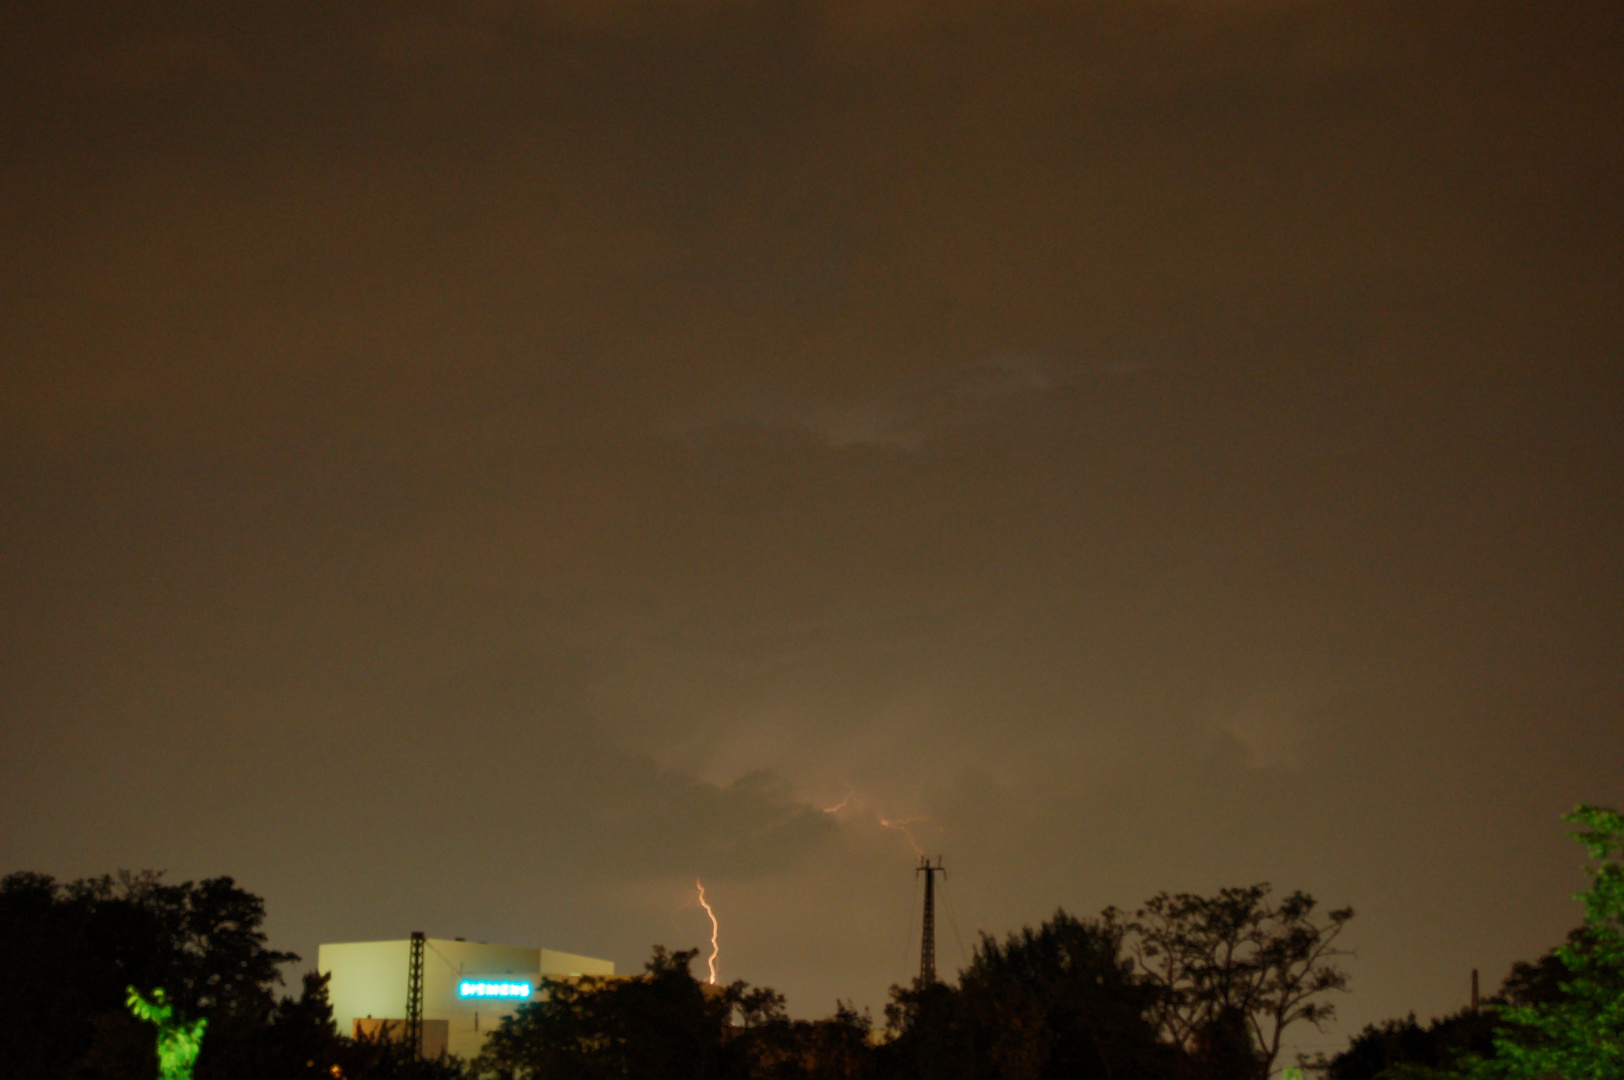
(1185, 988)
(1188, 987)
(1191, 988)
(1558, 1018)
(68, 953)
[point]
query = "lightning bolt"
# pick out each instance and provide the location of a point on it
(901, 826)
(715, 949)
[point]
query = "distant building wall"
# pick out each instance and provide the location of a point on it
(436, 1033)
(368, 982)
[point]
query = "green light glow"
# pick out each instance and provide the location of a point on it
(178, 1040)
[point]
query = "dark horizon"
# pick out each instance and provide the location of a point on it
(480, 471)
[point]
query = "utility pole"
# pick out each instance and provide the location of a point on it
(1474, 989)
(414, 997)
(927, 944)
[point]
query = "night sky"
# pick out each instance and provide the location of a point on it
(476, 468)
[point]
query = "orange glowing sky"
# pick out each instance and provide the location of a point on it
(479, 470)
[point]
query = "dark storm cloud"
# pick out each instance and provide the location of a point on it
(482, 467)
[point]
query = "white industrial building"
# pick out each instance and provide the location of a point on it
(468, 987)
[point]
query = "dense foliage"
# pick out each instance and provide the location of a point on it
(667, 1024)
(1059, 1001)
(1580, 1034)
(70, 952)
(1559, 1018)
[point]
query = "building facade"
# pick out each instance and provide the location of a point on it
(468, 987)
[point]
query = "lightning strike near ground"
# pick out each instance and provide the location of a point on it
(715, 948)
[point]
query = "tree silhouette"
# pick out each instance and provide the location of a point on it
(202, 942)
(663, 1024)
(1058, 1001)
(1232, 971)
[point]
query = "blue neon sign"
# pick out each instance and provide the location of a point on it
(480, 987)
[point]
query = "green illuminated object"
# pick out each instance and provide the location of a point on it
(178, 1040)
